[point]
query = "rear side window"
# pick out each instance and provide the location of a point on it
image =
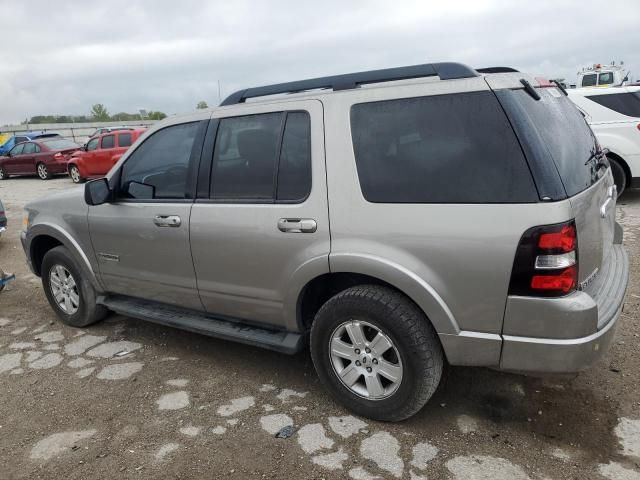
(108, 141)
(124, 139)
(558, 132)
(441, 149)
(624, 103)
(589, 80)
(263, 157)
(29, 148)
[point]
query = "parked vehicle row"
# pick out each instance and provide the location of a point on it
(11, 140)
(461, 218)
(50, 154)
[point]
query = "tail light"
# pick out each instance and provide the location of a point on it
(546, 261)
(638, 126)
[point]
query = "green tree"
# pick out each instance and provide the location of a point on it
(202, 104)
(99, 112)
(156, 115)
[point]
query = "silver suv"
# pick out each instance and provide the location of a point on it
(395, 221)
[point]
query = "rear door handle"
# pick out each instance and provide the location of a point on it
(297, 225)
(167, 220)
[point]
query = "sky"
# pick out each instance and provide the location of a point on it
(61, 57)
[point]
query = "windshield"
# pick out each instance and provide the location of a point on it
(589, 80)
(60, 144)
(605, 78)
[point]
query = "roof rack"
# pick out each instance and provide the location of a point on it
(496, 70)
(446, 71)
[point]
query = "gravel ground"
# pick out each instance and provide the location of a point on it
(128, 399)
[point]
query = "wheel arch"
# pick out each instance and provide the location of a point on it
(623, 164)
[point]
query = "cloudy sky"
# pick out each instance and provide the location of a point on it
(60, 57)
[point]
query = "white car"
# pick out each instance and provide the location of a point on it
(614, 116)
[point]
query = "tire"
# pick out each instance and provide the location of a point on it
(3, 174)
(74, 173)
(84, 311)
(415, 348)
(619, 176)
(43, 171)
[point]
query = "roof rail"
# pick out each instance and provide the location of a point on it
(446, 71)
(496, 70)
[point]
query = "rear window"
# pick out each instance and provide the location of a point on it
(60, 144)
(624, 103)
(439, 149)
(558, 130)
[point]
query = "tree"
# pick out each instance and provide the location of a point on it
(202, 104)
(99, 112)
(156, 115)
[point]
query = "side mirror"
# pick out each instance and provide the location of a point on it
(97, 192)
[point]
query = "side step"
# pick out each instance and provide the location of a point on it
(280, 341)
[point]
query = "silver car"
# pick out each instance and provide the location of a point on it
(395, 221)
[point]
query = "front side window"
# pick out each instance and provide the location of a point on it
(158, 169)
(108, 141)
(124, 139)
(457, 148)
(589, 80)
(93, 144)
(29, 148)
(625, 103)
(17, 150)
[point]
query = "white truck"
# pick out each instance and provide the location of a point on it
(614, 116)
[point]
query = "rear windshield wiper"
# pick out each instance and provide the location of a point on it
(529, 89)
(559, 85)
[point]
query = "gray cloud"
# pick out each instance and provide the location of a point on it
(61, 57)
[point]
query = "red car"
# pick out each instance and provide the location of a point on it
(44, 157)
(100, 154)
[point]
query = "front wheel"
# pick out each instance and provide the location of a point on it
(74, 173)
(619, 176)
(376, 352)
(43, 171)
(3, 174)
(70, 294)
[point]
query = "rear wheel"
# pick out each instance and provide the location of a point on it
(3, 174)
(43, 171)
(619, 175)
(376, 352)
(74, 173)
(70, 294)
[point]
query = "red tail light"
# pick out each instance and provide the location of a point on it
(546, 261)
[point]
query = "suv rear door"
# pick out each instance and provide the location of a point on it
(260, 227)
(141, 238)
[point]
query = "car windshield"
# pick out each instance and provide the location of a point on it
(60, 144)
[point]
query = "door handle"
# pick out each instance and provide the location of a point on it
(167, 220)
(297, 225)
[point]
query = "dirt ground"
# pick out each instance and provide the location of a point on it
(127, 399)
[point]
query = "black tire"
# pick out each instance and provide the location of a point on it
(409, 330)
(619, 175)
(43, 172)
(74, 173)
(88, 312)
(3, 174)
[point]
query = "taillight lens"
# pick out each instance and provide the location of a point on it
(546, 261)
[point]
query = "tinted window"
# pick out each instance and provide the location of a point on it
(17, 150)
(21, 139)
(589, 80)
(108, 141)
(624, 103)
(162, 162)
(93, 144)
(294, 168)
(441, 149)
(29, 148)
(124, 139)
(244, 158)
(562, 134)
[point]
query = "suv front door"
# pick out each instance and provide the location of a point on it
(262, 231)
(141, 239)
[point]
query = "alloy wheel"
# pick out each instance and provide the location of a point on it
(42, 171)
(64, 289)
(365, 360)
(75, 174)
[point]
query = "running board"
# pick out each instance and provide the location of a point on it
(170, 316)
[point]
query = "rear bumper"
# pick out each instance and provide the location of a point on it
(568, 355)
